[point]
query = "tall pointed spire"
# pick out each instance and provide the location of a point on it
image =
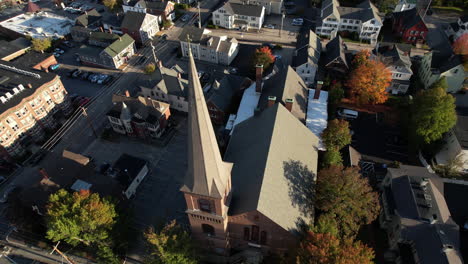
(207, 174)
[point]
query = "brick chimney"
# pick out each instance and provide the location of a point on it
(127, 93)
(318, 87)
(110, 30)
(271, 101)
(160, 65)
(289, 104)
(179, 75)
(258, 78)
(44, 174)
(29, 86)
(102, 29)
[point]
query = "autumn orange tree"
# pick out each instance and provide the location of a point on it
(324, 248)
(368, 80)
(264, 56)
(460, 47)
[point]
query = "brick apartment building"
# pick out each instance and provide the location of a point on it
(28, 100)
(409, 26)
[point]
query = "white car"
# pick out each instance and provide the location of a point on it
(298, 20)
(270, 26)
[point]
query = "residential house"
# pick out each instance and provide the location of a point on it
(80, 34)
(112, 22)
(140, 116)
(130, 172)
(239, 16)
(335, 57)
(404, 5)
(456, 29)
(113, 56)
(163, 9)
(416, 218)
(409, 26)
(29, 98)
(399, 64)
(165, 85)
(362, 19)
(244, 200)
(436, 64)
(456, 142)
(140, 26)
(307, 55)
(219, 96)
(271, 6)
(214, 49)
(102, 39)
(90, 19)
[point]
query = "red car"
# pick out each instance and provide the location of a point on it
(84, 101)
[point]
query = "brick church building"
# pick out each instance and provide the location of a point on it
(257, 196)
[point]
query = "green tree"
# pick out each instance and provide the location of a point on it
(105, 255)
(432, 114)
(342, 192)
(337, 134)
(112, 5)
(150, 68)
(79, 217)
(335, 94)
(166, 24)
(172, 245)
(326, 224)
(263, 56)
(332, 157)
(41, 45)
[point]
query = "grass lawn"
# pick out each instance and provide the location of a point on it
(448, 9)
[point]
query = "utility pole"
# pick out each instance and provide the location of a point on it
(89, 121)
(199, 15)
(61, 254)
(154, 54)
(425, 11)
(281, 28)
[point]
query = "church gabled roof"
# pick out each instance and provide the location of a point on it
(207, 173)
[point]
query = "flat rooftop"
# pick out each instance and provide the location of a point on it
(39, 25)
(317, 115)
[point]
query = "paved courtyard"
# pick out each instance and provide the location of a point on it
(158, 198)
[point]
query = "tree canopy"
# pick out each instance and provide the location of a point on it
(368, 80)
(337, 134)
(112, 5)
(324, 248)
(264, 56)
(332, 157)
(79, 217)
(432, 114)
(172, 245)
(149, 68)
(41, 44)
(343, 193)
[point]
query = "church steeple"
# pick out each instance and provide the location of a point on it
(207, 174)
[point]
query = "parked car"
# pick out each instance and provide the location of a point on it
(270, 26)
(76, 73)
(271, 46)
(68, 44)
(278, 57)
(185, 18)
(84, 101)
(10, 189)
(297, 23)
(54, 67)
(85, 75)
(56, 54)
(106, 80)
(60, 51)
(348, 114)
(233, 70)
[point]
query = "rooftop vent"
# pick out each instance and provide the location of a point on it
(3, 99)
(14, 69)
(424, 181)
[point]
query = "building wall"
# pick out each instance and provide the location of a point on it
(217, 115)
(277, 238)
(307, 72)
(177, 102)
(368, 30)
(412, 34)
(223, 19)
(32, 115)
(203, 53)
(451, 150)
(131, 190)
(44, 65)
(454, 77)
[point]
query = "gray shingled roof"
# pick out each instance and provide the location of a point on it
(207, 173)
(141, 108)
(194, 33)
(393, 55)
(409, 199)
(133, 20)
(286, 84)
(166, 80)
(311, 54)
(222, 95)
(269, 171)
(410, 17)
(88, 18)
(330, 7)
(243, 9)
(335, 49)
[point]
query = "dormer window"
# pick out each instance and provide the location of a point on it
(204, 205)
